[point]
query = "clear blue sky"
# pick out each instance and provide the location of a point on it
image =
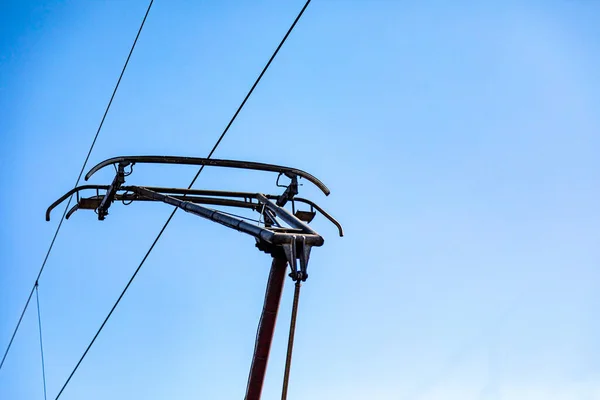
(460, 141)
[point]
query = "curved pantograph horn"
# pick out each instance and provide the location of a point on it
(130, 160)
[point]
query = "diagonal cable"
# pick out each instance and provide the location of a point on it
(76, 183)
(37, 300)
(168, 221)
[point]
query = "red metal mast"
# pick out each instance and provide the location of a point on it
(266, 329)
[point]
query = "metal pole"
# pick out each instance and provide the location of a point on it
(288, 360)
(266, 327)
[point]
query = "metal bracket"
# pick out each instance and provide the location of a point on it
(290, 191)
(293, 254)
(109, 197)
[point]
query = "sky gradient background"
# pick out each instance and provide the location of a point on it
(460, 142)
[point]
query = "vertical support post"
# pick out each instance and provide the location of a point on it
(266, 328)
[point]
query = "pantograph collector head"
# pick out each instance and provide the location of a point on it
(280, 232)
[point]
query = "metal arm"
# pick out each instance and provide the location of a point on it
(276, 238)
(191, 195)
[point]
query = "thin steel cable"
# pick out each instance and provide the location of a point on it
(37, 299)
(18, 325)
(76, 183)
(168, 221)
(251, 90)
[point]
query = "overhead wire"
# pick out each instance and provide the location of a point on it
(76, 183)
(168, 221)
(37, 300)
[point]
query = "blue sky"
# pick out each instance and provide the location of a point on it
(460, 143)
